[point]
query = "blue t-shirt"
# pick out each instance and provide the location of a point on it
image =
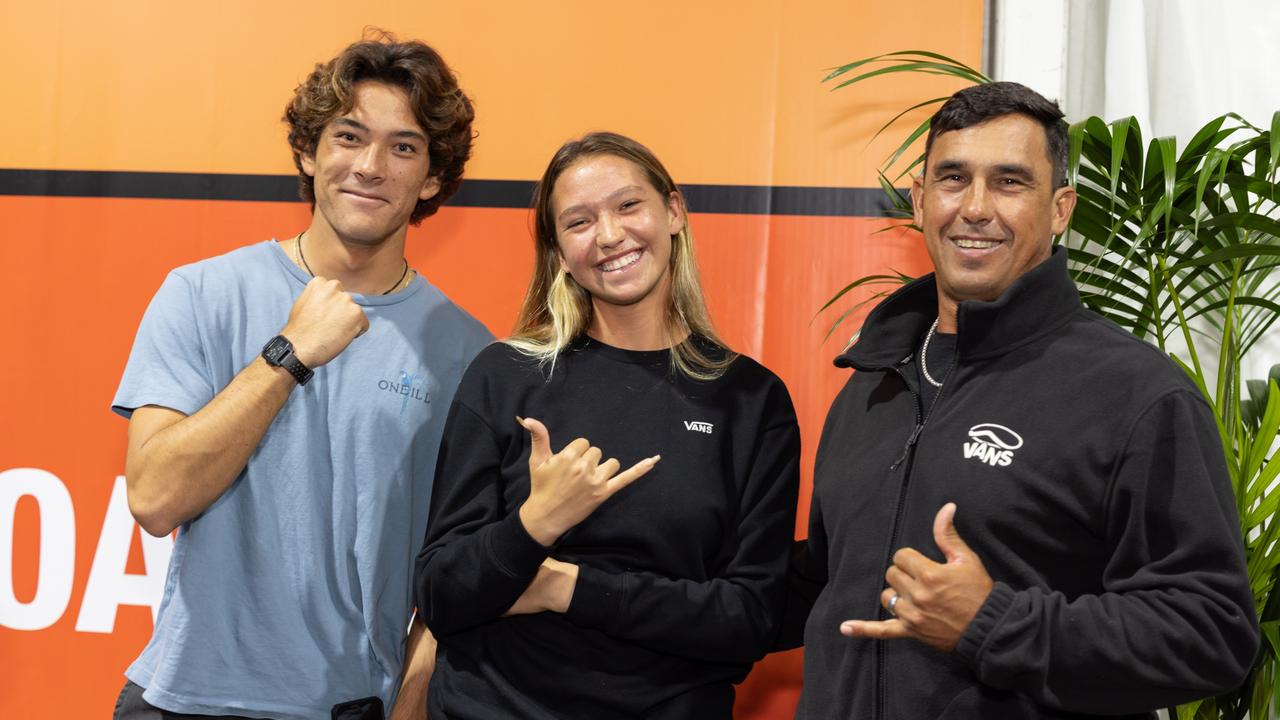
(291, 592)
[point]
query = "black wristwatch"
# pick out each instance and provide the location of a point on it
(278, 352)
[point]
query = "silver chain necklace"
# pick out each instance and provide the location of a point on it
(924, 350)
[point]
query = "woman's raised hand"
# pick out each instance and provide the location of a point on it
(566, 487)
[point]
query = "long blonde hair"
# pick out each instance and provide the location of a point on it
(557, 310)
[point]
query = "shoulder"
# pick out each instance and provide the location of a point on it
(454, 320)
(250, 271)
(219, 282)
(251, 259)
(1118, 356)
(747, 370)
(498, 380)
(501, 357)
(755, 386)
(499, 367)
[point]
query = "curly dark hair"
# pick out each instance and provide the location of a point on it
(987, 101)
(439, 105)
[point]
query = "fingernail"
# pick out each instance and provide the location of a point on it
(654, 460)
(846, 628)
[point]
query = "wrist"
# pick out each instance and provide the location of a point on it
(566, 581)
(536, 525)
(301, 347)
(279, 353)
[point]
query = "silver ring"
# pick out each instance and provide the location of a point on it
(893, 601)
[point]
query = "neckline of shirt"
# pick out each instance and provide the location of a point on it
(290, 267)
(634, 357)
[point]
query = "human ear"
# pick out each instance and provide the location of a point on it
(430, 188)
(1064, 203)
(917, 200)
(675, 212)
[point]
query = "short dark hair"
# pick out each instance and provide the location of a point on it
(439, 106)
(980, 103)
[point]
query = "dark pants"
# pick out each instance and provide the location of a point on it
(131, 706)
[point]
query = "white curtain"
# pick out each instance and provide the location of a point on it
(1175, 65)
(1172, 64)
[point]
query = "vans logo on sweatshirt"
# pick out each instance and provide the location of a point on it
(698, 426)
(991, 443)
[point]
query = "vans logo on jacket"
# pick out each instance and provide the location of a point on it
(698, 426)
(991, 443)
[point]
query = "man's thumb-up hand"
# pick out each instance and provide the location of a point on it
(931, 602)
(948, 539)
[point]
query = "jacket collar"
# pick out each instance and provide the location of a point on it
(1033, 306)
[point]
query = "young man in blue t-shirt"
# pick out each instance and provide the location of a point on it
(286, 402)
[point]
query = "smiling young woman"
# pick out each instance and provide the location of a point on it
(608, 184)
(556, 585)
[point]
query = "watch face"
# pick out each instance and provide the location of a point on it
(275, 350)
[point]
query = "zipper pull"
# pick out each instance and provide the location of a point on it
(906, 449)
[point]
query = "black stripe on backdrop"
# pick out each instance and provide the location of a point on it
(732, 199)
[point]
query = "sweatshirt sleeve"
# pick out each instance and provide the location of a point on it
(731, 618)
(807, 571)
(806, 577)
(1175, 619)
(476, 559)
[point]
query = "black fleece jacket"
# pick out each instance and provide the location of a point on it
(1089, 478)
(682, 573)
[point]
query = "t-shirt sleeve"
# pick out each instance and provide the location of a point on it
(167, 366)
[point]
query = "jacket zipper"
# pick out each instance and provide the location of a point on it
(907, 457)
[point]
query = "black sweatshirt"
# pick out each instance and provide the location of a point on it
(1089, 479)
(681, 580)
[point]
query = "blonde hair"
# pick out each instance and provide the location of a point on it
(557, 310)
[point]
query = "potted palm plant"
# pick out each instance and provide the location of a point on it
(1180, 246)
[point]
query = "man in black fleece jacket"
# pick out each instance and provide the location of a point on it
(1047, 493)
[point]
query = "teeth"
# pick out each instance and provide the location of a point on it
(970, 244)
(630, 258)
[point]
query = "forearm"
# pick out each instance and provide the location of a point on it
(179, 470)
(733, 615)
(419, 663)
(1173, 619)
(477, 557)
(470, 577)
(805, 581)
(1141, 651)
(719, 620)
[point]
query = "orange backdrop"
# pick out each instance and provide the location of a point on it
(726, 93)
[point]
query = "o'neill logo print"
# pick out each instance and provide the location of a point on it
(698, 426)
(412, 386)
(993, 444)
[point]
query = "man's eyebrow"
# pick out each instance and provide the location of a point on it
(1016, 170)
(947, 166)
(411, 134)
(357, 125)
(348, 122)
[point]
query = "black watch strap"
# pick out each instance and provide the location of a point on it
(278, 352)
(300, 372)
